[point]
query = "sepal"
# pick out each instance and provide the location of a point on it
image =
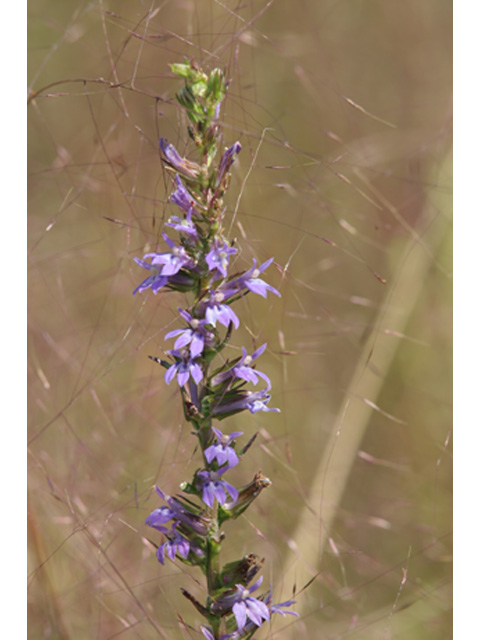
(246, 495)
(216, 86)
(187, 99)
(162, 363)
(240, 571)
(199, 607)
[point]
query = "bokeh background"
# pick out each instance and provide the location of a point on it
(343, 110)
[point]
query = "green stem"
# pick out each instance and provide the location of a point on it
(213, 560)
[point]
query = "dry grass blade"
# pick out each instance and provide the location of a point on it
(316, 521)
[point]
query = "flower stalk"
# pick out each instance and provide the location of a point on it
(200, 264)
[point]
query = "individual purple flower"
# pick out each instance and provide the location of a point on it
(188, 168)
(194, 336)
(245, 606)
(215, 489)
(216, 311)
(218, 257)
(183, 198)
(163, 266)
(183, 225)
(178, 512)
(156, 281)
(228, 158)
(159, 517)
(250, 280)
(249, 612)
(243, 369)
(240, 400)
(221, 451)
(184, 367)
(173, 261)
(176, 543)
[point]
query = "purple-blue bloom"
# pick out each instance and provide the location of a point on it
(218, 257)
(173, 261)
(244, 606)
(183, 225)
(249, 612)
(228, 158)
(214, 488)
(240, 400)
(194, 336)
(188, 336)
(176, 543)
(163, 266)
(188, 168)
(159, 517)
(222, 452)
(216, 311)
(183, 368)
(176, 511)
(183, 198)
(156, 281)
(250, 280)
(243, 369)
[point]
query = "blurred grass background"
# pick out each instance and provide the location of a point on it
(344, 114)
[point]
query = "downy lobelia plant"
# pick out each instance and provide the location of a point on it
(211, 387)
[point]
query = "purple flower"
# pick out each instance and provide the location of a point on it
(188, 521)
(243, 369)
(183, 225)
(244, 606)
(216, 311)
(214, 488)
(183, 368)
(183, 198)
(249, 612)
(228, 158)
(250, 280)
(178, 512)
(217, 257)
(240, 400)
(163, 266)
(156, 281)
(176, 543)
(159, 517)
(194, 336)
(173, 261)
(222, 452)
(189, 169)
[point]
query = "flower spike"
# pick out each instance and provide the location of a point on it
(201, 260)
